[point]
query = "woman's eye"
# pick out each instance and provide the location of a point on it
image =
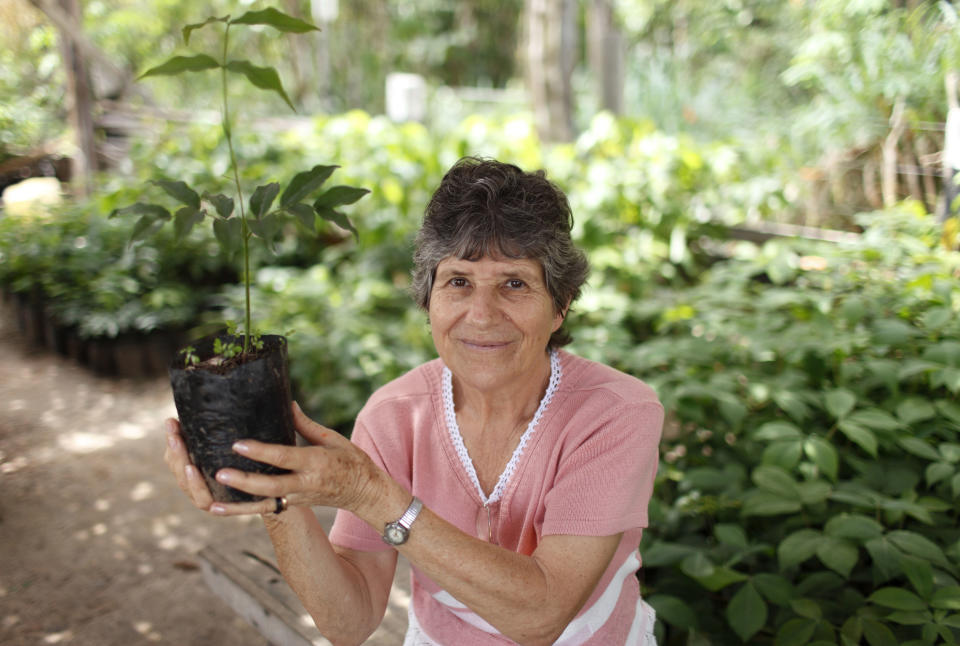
(458, 282)
(516, 283)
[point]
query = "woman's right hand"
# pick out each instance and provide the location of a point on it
(188, 476)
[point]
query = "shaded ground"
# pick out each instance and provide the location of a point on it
(97, 545)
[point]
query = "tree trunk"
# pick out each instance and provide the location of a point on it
(79, 97)
(551, 50)
(605, 52)
(888, 172)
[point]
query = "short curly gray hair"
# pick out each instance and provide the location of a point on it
(485, 207)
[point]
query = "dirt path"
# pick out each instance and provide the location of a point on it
(97, 545)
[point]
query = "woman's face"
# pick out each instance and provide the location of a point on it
(491, 319)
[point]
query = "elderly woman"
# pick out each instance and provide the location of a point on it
(514, 476)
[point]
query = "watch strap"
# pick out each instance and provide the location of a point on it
(411, 513)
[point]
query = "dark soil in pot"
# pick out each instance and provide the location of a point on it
(220, 403)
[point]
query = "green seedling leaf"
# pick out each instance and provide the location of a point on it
(674, 611)
(918, 447)
(265, 78)
(276, 19)
(266, 228)
(876, 419)
(228, 233)
(860, 436)
(798, 547)
(886, 558)
(304, 213)
(337, 218)
(731, 534)
(840, 402)
(920, 574)
(262, 199)
(143, 209)
(938, 471)
(179, 191)
(775, 588)
(775, 480)
(773, 431)
(913, 410)
(838, 554)
(189, 29)
(764, 503)
(796, 632)
(746, 612)
(947, 598)
(898, 599)
(339, 196)
(919, 546)
(720, 578)
(305, 183)
(878, 634)
(822, 454)
(222, 203)
(853, 526)
(180, 64)
(152, 217)
(184, 221)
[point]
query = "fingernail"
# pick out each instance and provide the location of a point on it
(170, 426)
(217, 509)
(240, 447)
(296, 405)
(224, 476)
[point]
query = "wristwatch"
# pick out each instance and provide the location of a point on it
(397, 532)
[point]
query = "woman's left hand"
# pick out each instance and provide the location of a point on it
(332, 472)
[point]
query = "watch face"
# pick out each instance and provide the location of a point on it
(395, 534)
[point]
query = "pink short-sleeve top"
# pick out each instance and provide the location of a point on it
(586, 468)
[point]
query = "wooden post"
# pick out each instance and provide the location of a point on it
(605, 52)
(551, 54)
(79, 97)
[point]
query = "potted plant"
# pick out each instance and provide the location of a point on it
(236, 385)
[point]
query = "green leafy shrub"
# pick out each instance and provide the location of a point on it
(77, 263)
(810, 486)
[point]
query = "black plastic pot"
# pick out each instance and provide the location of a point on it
(220, 404)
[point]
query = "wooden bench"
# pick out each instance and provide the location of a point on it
(244, 573)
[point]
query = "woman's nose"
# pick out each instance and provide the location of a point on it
(483, 305)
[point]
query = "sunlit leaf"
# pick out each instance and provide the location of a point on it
(189, 29)
(823, 454)
(305, 183)
(947, 597)
(860, 436)
(276, 19)
(897, 598)
(180, 64)
(265, 78)
(339, 196)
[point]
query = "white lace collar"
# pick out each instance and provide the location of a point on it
(454, 430)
